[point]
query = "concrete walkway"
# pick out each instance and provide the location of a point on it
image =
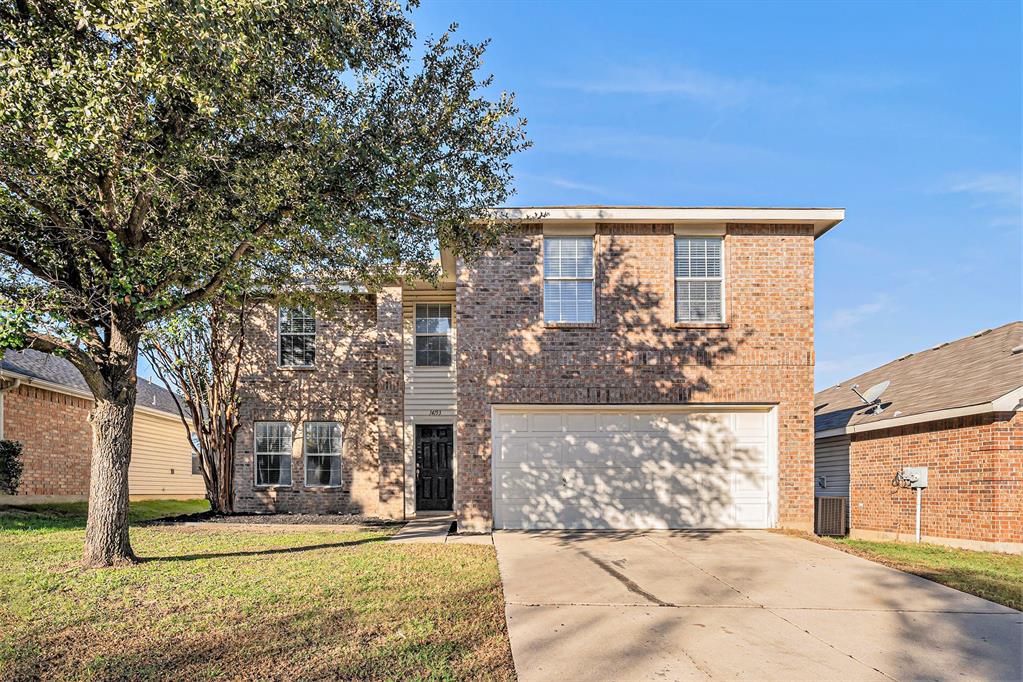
(431, 529)
(436, 529)
(737, 604)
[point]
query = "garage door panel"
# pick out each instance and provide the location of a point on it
(546, 421)
(580, 422)
(514, 449)
(527, 482)
(747, 483)
(749, 424)
(632, 469)
(512, 423)
(750, 514)
(612, 422)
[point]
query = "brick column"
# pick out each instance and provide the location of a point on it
(390, 402)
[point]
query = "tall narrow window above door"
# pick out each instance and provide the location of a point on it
(433, 335)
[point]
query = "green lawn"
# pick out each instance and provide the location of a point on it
(992, 575)
(68, 515)
(245, 603)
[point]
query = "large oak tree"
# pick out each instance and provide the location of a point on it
(153, 151)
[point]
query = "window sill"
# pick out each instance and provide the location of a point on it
(297, 368)
(701, 325)
(570, 325)
(272, 487)
(324, 487)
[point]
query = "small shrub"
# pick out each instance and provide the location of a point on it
(10, 466)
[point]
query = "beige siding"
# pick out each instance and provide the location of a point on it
(427, 389)
(161, 459)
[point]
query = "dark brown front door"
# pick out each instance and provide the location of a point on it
(434, 477)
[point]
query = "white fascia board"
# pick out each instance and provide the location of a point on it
(822, 219)
(68, 390)
(1010, 402)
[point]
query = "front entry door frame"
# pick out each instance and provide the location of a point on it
(434, 446)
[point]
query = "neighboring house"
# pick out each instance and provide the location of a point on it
(955, 409)
(607, 367)
(45, 404)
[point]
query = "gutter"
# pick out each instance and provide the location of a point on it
(15, 382)
(1010, 402)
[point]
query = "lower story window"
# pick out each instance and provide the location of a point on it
(322, 445)
(273, 453)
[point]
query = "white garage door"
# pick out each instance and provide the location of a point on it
(559, 467)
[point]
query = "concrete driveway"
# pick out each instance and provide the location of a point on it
(670, 605)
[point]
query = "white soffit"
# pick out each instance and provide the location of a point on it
(823, 219)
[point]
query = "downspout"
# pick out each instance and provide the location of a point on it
(15, 382)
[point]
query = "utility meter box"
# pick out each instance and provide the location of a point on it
(915, 476)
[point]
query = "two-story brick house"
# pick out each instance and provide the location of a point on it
(607, 367)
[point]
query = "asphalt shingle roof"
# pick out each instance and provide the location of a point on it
(57, 370)
(973, 370)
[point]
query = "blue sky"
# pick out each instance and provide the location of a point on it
(905, 114)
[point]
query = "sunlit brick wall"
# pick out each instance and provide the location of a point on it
(975, 479)
(634, 352)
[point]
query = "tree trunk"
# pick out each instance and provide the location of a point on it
(106, 532)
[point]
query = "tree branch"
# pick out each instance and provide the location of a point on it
(218, 280)
(47, 343)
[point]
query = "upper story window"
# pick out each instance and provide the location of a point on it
(322, 446)
(296, 331)
(568, 279)
(273, 453)
(699, 279)
(433, 335)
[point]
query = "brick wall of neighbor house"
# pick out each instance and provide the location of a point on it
(975, 479)
(56, 439)
(342, 388)
(635, 353)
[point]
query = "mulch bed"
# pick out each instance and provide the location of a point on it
(276, 519)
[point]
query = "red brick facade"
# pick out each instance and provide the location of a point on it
(975, 479)
(635, 353)
(56, 438)
(354, 347)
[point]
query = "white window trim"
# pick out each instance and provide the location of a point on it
(315, 333)
(305, 456)
(676, 279)
(592, 278)
(417, 334)
(255, 456)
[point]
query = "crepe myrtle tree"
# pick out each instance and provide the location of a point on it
(197, 353)
(153, 152)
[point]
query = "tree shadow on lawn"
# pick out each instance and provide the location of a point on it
(454, 634)
(264, 552)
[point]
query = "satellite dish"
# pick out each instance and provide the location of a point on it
(872, 396)
(873, 393)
